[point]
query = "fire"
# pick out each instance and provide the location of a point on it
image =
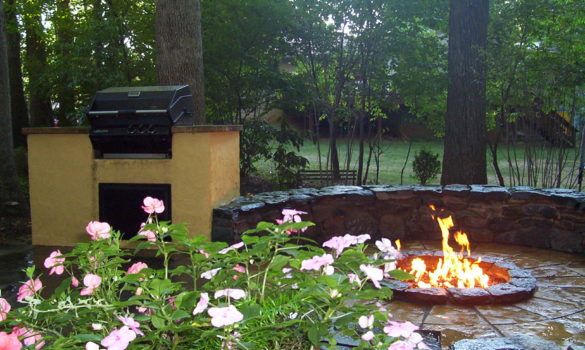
(453, 270)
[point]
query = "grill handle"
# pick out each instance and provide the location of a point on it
(128, 112)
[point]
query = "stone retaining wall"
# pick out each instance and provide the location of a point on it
(542, 218)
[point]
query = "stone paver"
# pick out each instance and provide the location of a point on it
(556, 312)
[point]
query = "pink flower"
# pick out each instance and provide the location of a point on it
(28, 289)
(230, 293)
(136, 268)
(202, 304)
(374, 274)
(316, 262)
(4, 309)
(74, 281)
(416, 340)
(98, 230)
(149, 234)
(146, 311)
(206, 254)
(153, 205)
(138, 291)
(290, 216)
(239, 268)
(91, 346)
(369, 335)
(9, 341)
(232, 247)
(130, 323)
(91, 282)
(340, 243)
(397, 329)
(401, 345)
(353, 278)
(119, 339)
(55, 263)
(224, 316)
(210, 274)
(29, 336)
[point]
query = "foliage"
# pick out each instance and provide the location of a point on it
(426, 166)
(260, 141)
(268, 291)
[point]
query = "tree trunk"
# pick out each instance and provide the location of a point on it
(179, 51)
(17, 100)
(63, 22)
(9, 184)
(464, 160)
(36, 65)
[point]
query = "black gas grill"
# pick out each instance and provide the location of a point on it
(136, 122)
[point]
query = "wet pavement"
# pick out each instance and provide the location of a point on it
(555, 313)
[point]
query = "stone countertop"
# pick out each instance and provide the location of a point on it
(175, 129)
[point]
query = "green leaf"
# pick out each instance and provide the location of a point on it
(88, 337)
(401, 275)
(250, 311)
(179, 314)
(157, 321)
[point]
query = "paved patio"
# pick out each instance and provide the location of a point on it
(555, 313)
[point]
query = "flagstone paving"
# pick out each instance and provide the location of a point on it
(555, 313)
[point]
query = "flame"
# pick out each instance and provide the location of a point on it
(453, 270)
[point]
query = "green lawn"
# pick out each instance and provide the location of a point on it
(395, 154)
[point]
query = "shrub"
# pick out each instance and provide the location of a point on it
(426, 166)
(265, 292)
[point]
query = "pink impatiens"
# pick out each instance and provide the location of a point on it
(339, 243)
(119, 339)
(98, 230)
(230, 293)
(55, 263)
(9, 341)
(136, 268)
(29, 336)
(153, 205)
(91, 282)
(4, 309)
(224, 316)
(316, 262)
(29, 289)
(202, 304)
(232, 247)
(291, 216)
(130, 323)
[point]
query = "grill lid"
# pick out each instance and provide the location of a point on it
(135, 122)
(174, 102)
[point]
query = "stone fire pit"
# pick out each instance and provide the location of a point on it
(510, 284)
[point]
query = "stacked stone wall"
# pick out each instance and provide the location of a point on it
(543, 218)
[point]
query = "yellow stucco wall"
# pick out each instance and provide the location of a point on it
(64, 179)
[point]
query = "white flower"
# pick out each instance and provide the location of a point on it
(334, 293)
(373, 273)
(385, 246)
(366, 321)
(230, 293)
(293, 315)
(96, 326)
(328, 270)
(209, 274)
(232, 247)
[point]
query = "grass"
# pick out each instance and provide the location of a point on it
(395, 154)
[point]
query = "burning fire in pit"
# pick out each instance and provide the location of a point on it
(457, 277)
(453, 270)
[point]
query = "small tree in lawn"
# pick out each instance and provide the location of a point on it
(426, 166)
